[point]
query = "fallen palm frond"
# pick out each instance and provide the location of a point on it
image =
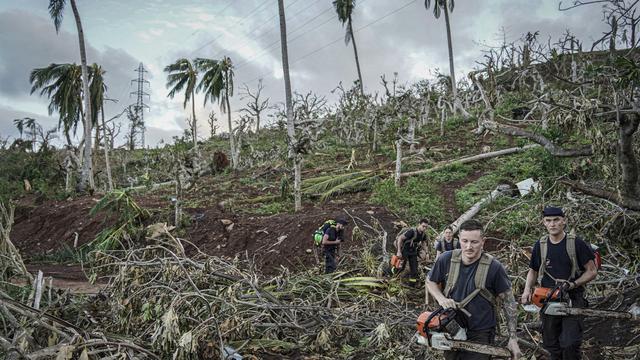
(329, 185)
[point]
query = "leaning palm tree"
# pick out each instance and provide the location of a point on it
(56, 8)
(217, 84)
(439, 7)
(19, 123)
(62, 84)
(182, 75)
(344, 8)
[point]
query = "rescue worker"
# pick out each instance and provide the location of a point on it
(447, 242)
(471, 280)
(408, 246)
(333, 236)
(562, 259)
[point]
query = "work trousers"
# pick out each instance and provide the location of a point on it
(412, 259)
(482, 336)
(330, 254)
(562, 335)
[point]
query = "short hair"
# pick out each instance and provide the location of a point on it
(449, 228)
(423, 221)
(471, 225)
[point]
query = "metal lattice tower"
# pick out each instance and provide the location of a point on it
(137, 124)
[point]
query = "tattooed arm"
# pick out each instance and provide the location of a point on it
(510, 308)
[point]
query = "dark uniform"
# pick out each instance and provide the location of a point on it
(562, 335)
(331, 251)
(410, 248)
(443, 245)
(481, 326)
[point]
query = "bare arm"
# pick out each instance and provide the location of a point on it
(510, 309)
(436, 292)
(590, 273)
(532, 277)
(399, 242)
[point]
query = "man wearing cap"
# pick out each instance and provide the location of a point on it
(561, 259)
(331, 240)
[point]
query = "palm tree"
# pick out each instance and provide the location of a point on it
(291, 131)
(446, 6)
(56, 8)
(98, 89)
(19, 123)
(344, 8)
(62, 84)
(182, 74)
(217, 84)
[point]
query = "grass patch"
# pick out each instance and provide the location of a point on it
(418, 197)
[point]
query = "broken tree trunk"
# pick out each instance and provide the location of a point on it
(470, 159)
(500, 190)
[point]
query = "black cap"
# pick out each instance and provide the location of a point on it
(342, 221)
(552, 211)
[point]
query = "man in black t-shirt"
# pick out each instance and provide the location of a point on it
(331, 240)
(408, 245)
(447, 242)
(481, 325)
(561, 335)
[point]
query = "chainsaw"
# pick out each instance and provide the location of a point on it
(441, 331)
(555, 302)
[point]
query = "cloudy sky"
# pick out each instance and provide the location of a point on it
(392, 36)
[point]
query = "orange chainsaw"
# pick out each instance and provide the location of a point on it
(555, 302)
(441, 331)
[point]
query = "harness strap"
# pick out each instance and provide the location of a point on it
(480, 278)
(571, 252)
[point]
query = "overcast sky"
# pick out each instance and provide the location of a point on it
(392, 36)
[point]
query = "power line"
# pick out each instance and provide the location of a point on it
(267, 23)
(341, 38)
(276, 42)
(240, 23)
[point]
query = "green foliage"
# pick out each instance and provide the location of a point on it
(415, 199)
(130, 218)
(271, 208)
(454, 172)
(40, 169)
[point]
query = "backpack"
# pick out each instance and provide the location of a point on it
(404, 231)
(319, 233)
(480, 279)
(571, 251)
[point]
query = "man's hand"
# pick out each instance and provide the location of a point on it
(526, 296)
(514, 348)
(447, 303)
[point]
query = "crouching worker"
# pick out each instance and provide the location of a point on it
(331, 240)
(472, 281)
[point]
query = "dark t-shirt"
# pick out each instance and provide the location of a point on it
(448, 246)
(333, 234)
(558, 263)
(410, 248)
(482, 312)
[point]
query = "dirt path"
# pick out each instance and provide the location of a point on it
(64, 277)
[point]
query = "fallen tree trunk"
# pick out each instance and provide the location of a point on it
(470, 159)
(619, 199)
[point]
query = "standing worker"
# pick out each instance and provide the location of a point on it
(408, 245)
(562, 259)
(331, 240)
(470, 280)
